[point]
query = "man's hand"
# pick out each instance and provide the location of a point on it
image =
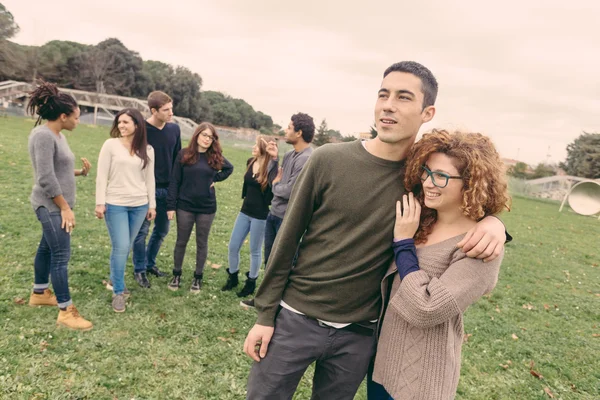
(257, 341)
(272, 149)
(485, 240)
(151, 214)
(100, 211)
(279, 176)
(170, 215)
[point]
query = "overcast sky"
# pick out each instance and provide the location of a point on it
(526, 73)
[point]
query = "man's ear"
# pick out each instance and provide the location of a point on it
(428, 113)
(298, 133)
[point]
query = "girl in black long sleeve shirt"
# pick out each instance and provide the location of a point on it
(192, 197)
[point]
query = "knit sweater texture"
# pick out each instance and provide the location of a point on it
(419, 350)
(343, 208)
(53, 168)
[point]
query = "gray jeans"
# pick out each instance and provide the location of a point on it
(342, 360)
(185, 223)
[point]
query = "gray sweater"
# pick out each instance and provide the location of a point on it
(292, 166)
(53, 168)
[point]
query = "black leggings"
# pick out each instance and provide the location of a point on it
(185, 224)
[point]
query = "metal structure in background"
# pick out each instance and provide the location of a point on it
(108, 103)
(584, 198)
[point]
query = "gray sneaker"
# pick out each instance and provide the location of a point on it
(126, 292)
(118, 303)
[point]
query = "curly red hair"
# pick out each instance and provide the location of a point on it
(485, 190)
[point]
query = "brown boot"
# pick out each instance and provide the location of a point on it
(44, 299)
(70, 318)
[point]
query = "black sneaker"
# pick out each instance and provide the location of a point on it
(196, 285)
(175, 283)
(247, 303)
(142, 279)
(156, 272)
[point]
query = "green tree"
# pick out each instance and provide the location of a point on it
(349, 138)
(321, 136)
(8, 26)
(519, 170)
(583, 156)
(373, 131)
(543, 170)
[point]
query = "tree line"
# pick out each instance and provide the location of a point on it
(110, 67)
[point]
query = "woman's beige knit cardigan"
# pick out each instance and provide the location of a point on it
(418, 356)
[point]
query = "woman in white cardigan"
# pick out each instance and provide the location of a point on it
(125, 192)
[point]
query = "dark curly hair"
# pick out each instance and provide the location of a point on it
(485, 190)
(305, 123)
(214, 154)
(429, 84)
(49, 103)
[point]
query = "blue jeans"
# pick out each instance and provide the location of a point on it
(145, 257)
(244, 225)
(123, 224)
(52, 257)
(273, 224)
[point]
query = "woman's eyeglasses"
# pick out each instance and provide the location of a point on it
(210, 137)
(439, 179)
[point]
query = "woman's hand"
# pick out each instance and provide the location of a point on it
(100, 211)
(151, 214)
(86, 167)
(407, 222)
(279, 176)
(68, 219)
(272, 149)
(170, 215)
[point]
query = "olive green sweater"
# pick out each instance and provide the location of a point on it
(343, 208)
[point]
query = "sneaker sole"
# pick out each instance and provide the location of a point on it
(118, 311)
(174, 289)
(61, 325)
(195, 291)
(246, 306)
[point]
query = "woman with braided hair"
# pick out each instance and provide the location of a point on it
(453, 180)
(53, 199)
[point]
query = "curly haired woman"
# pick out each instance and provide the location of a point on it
(457, 179)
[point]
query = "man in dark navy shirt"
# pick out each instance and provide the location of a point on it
(165, 137)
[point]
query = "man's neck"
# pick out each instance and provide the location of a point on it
(156, 122)
(389, 151)
(300, 146)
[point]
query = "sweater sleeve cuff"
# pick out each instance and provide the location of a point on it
(266, 318)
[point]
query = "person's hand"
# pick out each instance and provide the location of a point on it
(257, 341)
(151, 214)
(279, 176)
(100, 211)
(212, 185)
(68, 219)
(272, 148)
(86, 166)
(170, 215)
(407, 217)
(485, 240)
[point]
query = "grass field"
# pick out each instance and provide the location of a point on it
(545, 309)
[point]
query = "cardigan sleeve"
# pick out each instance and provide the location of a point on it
(424, 302)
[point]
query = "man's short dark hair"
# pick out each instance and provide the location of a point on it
(305, 123)
(429, 84)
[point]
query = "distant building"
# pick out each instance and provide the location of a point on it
(364, 135)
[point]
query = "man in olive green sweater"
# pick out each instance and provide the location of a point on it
(325, 309)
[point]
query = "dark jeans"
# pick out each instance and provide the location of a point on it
(185, 224)
(52, 257)
(375, 391)
(145, 257)
(342, 359)
(271, 229)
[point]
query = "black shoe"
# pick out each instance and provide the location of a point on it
(247, 303)
(142, 279)
(232, 280)
(175, 282)
(156, 272)
(249, 287)
(196, 285)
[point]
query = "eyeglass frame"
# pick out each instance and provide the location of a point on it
(211, 137)
(443, 174)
